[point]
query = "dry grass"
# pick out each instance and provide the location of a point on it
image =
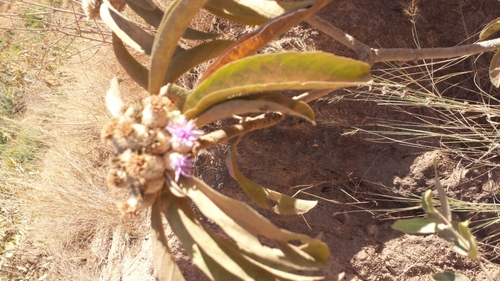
(59, 221)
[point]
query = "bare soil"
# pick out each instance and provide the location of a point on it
(345, 168)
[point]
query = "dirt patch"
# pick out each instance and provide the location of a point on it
(344, 168)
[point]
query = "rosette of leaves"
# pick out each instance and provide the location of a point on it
(235, 83)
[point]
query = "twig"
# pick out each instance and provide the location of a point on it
(250, 124)
(372, 55)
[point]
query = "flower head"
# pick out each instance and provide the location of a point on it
(180, 164)
(184, 132)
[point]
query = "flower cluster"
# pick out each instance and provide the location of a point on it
(154, 143)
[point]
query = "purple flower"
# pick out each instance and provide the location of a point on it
(180, 164)
(184, 133)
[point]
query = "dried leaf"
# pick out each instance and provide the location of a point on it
(254, 41)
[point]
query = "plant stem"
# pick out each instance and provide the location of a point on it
(372, 55)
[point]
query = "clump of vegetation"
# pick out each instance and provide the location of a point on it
(226, 88)
(156, 138)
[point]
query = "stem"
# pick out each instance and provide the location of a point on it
(372, 55)
(248, 125)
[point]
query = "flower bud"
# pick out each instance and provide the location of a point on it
(117, 178)
(161, 143)
(145, 165)
(153, 186)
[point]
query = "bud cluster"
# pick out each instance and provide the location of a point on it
(153, 140)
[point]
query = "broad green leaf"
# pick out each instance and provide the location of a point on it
(193, 57)
(495, 69)
(166, 268)
(445, 206)
(252, 12)
(255, 224)
(260, 271)
(144, 4)
(128, 32)
(227, 254)
(172, 27)
(290, 70)
(416, 226)
(285, 205)
(449, 276)
(489, 29)
(464, 230)
(254, 41)
(427, 204)
(287, 257)
(193, 34)
(153, 15)
(140, 74)
(257, 103)
(134, 69)
(209, 266)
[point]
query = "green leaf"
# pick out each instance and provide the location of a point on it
(194, 56)
(166, 268)
(254, 41)
(489, 29)
(207, 264)
(226, 254)
(427, 204)
(445, 206)
(172, 27)
(290, 70)
(140, 74)
(495, 69)
(252, 12)
(193, 34)
(248, 219)
(464, 230)
(128, 32)
(143, 4)
(257, 103)
(134, 69)
(286, 205)
(449, 276)
(293, 259)
(153, 15)
(416, 226)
